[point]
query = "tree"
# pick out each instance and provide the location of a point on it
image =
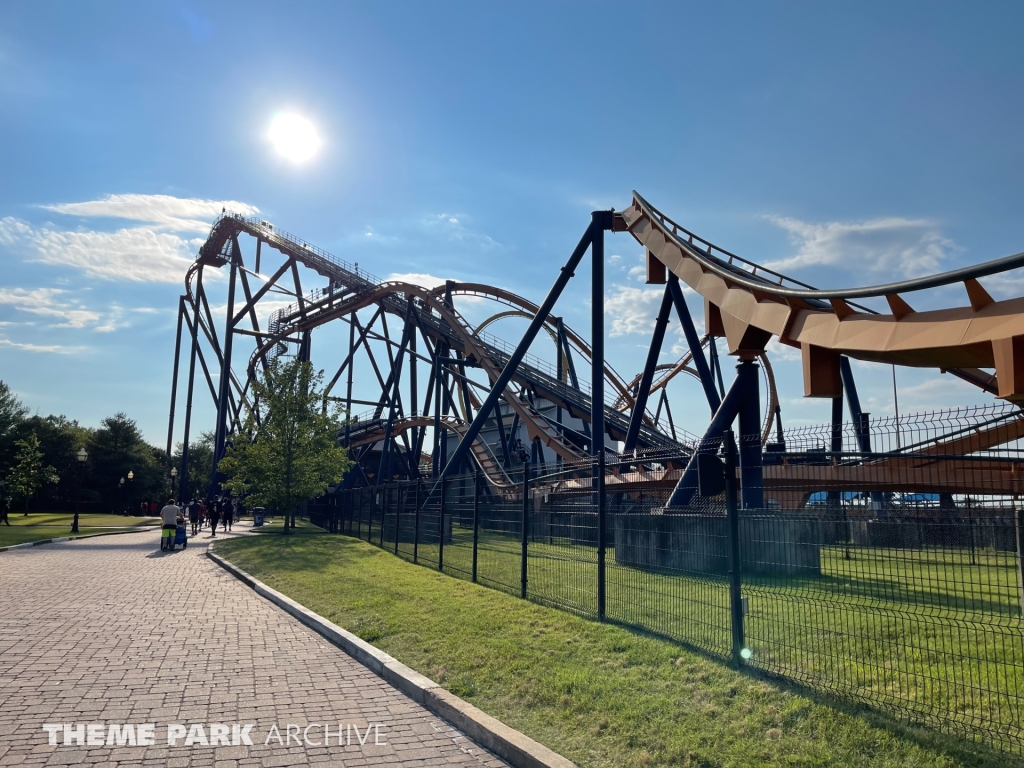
(200, 464)
(116, 449)
(30, 473)
(59, 440)
(287, 450)
(12, 413)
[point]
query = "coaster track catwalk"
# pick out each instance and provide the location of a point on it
(482, 394)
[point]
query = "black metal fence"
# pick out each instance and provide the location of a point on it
(906, 596)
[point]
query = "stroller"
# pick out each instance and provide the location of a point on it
(180, 536)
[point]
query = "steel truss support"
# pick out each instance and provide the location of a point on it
(861, 428)
(220, 435)
(194, 331)
(751, 482)
(394, 400)
(693, 341)
(647, 378)
(745, 385)
(174, 377)
(501, 382)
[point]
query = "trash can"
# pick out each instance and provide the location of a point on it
(257, 517)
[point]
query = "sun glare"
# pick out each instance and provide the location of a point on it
(294, 137)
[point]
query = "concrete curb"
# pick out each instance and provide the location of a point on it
(74, 538)
(512, 746)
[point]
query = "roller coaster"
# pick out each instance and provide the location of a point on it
(488, 405)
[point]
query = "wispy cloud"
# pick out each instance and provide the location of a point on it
(164, 212)
(908, 247)
(52, 303)
(64, 310)
(632, 309)
(158, 251)
(51, 348)
(140, 254)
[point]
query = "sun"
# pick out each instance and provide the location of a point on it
(294, 137)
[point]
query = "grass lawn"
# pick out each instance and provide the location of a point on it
(933, 636)
(37, 526)
(277, 525)
(600, 694)
(64, 519)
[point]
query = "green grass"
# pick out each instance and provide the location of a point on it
(930, 636)
(64, 519)
(276, 525)
(598, 693)
(38, 526)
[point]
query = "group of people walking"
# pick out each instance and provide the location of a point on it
(220, 510)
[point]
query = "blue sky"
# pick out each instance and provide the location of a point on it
(852, 144)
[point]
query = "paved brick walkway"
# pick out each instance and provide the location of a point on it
(110, 630)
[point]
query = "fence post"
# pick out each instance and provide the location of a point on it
(398, 515)
(525, 528)
(416, 527)
(1018, 519)
(359, 521)
(385, 497)
(476, 520)
(440, 533)
(733, 525)
(601, 535)
(970, 529)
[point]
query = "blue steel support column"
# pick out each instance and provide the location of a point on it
(174, 377)
(752, 486)
(836, 442)
(601, 220)
(506, 457)
(686, 488)
(640, 406)
(563, 340)
(385, 456)
(442, 378)
(225, 377)
(436, 472)
(856, 414)
(498, 388)
(693, 341)
(348, 384)
(183, 469)
(716, 364)
(560, 374)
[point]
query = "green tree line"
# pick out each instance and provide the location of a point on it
(285, 452)
(40, 470)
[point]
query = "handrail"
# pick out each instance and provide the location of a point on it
(734, 275)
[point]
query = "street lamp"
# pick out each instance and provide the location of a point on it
(120, 492)
(131, 476)
(174, 474)
(82, 456)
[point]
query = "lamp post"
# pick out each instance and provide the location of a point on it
(174, 474)
(120, 492)
(4, 511)
(82, 455)
(131, 497)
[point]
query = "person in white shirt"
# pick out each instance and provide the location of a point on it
(169, 517)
